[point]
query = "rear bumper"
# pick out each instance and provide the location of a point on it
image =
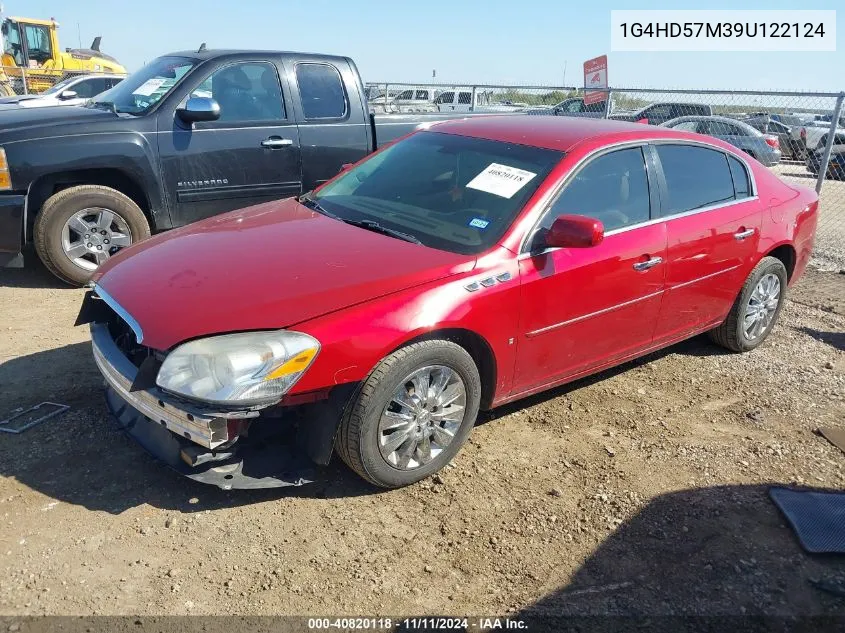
(197, 443)
(12, 213)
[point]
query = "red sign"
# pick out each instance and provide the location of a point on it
(595, 80)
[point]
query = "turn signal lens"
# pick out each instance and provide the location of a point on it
(5, 177)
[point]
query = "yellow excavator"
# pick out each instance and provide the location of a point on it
(32, 60)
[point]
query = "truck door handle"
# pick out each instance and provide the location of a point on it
(275, 142)
(651, 263)
(743, 235)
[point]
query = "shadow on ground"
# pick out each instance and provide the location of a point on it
(834, 339)
(32, 275)
(718, 551)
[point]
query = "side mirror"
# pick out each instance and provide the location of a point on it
(68, 94)
(199, 109)
(346, 167)
(643, 120)
(575, 231)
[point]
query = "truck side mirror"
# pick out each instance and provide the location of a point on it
(199, 109)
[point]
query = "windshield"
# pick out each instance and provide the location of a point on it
(141, 90)
(450, 192)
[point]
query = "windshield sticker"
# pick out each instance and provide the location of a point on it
(149, 87)
(478, 223)
(501, 180)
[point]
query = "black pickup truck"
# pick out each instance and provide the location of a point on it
(190, 135)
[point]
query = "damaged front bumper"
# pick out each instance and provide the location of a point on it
(205, 445)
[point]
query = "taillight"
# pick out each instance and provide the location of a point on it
(772, 141)
(804, 133)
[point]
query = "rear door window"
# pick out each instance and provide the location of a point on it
(321, 91)
(739, 175)
(464, 98)
(696, 177)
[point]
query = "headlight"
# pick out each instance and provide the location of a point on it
(249, 368)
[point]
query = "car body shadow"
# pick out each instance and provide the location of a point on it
(715, 551)
(33, 275)
(834, 339)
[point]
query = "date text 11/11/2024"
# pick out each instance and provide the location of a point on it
(418, 624)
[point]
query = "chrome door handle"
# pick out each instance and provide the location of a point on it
(274, 143)
(744, 234)
(654, 261)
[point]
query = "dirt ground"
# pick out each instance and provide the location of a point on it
(640, 491)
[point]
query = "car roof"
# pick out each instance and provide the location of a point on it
(215, 53)
(551, 132)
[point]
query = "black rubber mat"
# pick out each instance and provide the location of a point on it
(817, 518)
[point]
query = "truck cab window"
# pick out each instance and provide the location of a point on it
(321, 91)
(12, 37)
(245, 92)
(38, 43)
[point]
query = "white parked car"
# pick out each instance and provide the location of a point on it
(71, 91)
(461, 101)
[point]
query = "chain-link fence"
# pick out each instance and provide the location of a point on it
(17, 81)
(800, 136)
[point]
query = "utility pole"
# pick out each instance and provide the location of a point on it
(564, 72)
(79, 34)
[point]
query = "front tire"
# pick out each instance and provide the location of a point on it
(756, 309)
(80, 228)
(411, 415)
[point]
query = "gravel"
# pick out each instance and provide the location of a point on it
(592, 498)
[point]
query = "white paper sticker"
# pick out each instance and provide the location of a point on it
(149, 87)
(501, 180)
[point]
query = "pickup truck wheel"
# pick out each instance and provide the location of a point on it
(756, 309)
(81, 227)
(411, 415)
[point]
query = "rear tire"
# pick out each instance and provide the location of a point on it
(364, 444)
(55, 241)
(734, 333)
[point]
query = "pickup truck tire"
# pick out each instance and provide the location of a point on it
(755, 311)
(375, 421)
(52, 235)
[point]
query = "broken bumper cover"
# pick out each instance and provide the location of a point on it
(195, 443)
(11, 230)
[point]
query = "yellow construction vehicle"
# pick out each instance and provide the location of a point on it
(32, 61)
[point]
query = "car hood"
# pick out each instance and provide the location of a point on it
(269, 266)
(21, 118)
(17, 99)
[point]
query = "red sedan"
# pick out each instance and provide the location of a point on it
(458, 269)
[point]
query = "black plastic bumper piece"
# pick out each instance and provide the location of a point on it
(267, 462)
(11, 230)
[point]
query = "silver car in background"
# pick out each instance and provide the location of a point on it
(764, 147)
(71, 91)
